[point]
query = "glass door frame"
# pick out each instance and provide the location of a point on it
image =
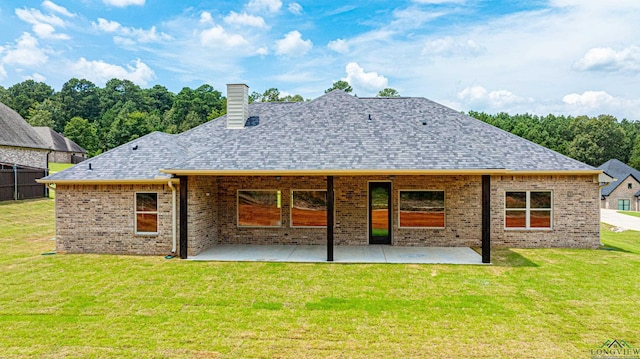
(370, 237)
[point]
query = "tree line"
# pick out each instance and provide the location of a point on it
(592, 140)
(101, 118)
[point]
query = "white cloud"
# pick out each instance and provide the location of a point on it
(206, 18)
(591, 99)
(357, 77)
(295, 8)
(263, 51)
(595, 103)
(106, 25)
(448, 47)
(293, 45)
(217, 35)
(3, 72)
(100, 72)
(34, 17)
(266, 5)
(36, 77)
(123, 3)
(46, 31)
(130, 35)
(339, 45)
(478, 95)
(57, 8)
(123, 41)
(244, 19)
(608, 59)
(25, 53)
(42, 25)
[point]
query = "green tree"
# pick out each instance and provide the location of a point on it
(597, 140)
(26, 94)
(634, 159)
(40, 117)
(388, 92)
(340, 85)
(80, 98)
(80, 131)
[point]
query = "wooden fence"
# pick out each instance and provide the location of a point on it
(17, 182)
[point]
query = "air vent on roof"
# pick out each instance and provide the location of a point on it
(369, 118)
(424, 122)
(237, 105)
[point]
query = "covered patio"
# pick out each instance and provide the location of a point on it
(341, 254)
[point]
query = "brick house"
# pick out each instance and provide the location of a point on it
(623, 192)
(63, 150)
(19, 142)
(340, 170)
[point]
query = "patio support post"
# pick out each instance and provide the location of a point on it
(486, 219)
(183, 216)
(330, 219)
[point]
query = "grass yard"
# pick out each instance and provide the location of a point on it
(542, 303)
(55, 167)
(630, 213)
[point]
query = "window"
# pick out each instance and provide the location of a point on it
(422, 209)
(623, 204)
(146, 213)
(528, 209)
(259, 208)
(308, 208)
(629, 185)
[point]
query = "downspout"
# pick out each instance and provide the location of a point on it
(173, 217)
(46, 173)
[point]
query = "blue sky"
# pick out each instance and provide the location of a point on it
(557, 56)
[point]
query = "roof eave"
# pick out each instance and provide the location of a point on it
(371, 172)
(109, 181)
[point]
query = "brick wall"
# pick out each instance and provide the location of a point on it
(101, 219)
(64, 157)
(31, 157)
(202, 224)
(623, 192)
(576, 212)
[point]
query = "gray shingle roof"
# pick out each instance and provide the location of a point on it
(56, 141)
(15, 131)
(333, 132)
(618, 170)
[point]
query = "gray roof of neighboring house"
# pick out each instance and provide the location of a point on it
(16, 132)
(336, 131)
(56, 141)
(619, 171)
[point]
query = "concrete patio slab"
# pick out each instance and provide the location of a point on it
(342, 254)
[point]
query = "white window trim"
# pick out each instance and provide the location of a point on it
(528, 211)
(256, 190)
(136, 212)
(291, 207)
(423, 190)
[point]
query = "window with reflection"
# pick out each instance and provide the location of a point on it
(422, 209)
(309, 208)
(259, 208)
(528, 209)
(146, 213)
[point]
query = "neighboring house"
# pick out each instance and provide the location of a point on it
(19, 142)
(624, 192)
(64, 150)
(339, 170)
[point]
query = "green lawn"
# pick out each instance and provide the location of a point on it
(630, 213)
(541, 303)
(55, 168)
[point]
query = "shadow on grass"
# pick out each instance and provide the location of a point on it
(508, 258)
(608, 247)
